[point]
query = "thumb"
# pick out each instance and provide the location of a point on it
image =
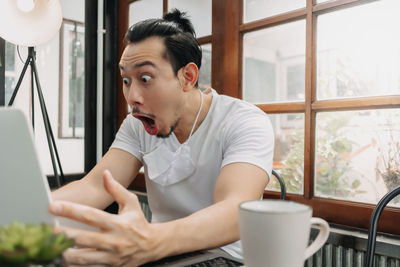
(120, 194)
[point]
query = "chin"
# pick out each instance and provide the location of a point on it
(161, 135)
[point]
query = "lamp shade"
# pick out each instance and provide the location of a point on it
(30, 28)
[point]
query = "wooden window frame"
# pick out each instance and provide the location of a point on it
(228, 30)
(334, 211)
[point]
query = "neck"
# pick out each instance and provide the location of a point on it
(190, 112)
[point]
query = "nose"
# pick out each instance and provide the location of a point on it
(135, 96)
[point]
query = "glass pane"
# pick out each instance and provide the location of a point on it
(72, 80)
(274, 64)
(289, 151)
(199, 13)
(10, 73)
(359, 57)
(357, 154)
(9, 59)
(141, 10)
(259, 9)
(71, 151)
(205, 69)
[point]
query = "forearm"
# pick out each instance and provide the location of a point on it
(211, 227)
(83, 193)
(90, 190)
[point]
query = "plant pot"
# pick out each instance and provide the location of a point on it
(54, 263)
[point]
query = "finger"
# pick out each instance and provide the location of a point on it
(88, 239)
(88, 257)
(121, 195)
(82, 213)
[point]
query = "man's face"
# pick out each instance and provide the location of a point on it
(150, 86)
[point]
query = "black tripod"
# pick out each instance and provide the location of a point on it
(49, 133)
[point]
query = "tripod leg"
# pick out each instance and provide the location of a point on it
(49, 132)
(33, 99)
(28, 60)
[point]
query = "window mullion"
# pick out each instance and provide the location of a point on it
(309, 118)
(225, 47)
(165, 6)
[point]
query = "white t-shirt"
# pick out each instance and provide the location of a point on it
(233, 131)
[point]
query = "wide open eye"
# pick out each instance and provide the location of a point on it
(145, 78)
(125, 81)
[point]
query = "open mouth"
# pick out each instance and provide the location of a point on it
(146, 120)
(148, 123)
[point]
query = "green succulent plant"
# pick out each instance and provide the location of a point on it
(24, 242)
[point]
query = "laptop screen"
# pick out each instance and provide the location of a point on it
(24, 190)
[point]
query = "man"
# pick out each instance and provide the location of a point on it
(202, 154)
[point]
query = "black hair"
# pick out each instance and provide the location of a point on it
(178, 34)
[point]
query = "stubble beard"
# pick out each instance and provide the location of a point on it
(173, 127)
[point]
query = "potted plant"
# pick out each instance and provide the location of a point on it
(24, 244)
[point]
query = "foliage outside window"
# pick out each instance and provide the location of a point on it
(289, 151)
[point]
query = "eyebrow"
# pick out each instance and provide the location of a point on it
(139, 64)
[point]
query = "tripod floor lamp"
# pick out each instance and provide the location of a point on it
(31, 23)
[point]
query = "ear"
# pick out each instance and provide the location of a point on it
(188, 76)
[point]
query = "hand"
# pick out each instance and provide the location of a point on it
(126, 239)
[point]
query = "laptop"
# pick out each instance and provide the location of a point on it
(24, 189)
(214, 257)
(25, 193)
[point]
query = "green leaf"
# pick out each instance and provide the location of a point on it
(31, 243)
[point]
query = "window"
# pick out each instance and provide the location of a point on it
(348, 62)
(274, 63)
(329, 78)
(72, 80)
(357, 61)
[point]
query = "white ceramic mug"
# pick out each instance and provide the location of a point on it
(275, 233)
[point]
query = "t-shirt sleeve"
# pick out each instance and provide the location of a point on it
(127, 138)
(250, 138)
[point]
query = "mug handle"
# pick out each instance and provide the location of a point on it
(321, 237)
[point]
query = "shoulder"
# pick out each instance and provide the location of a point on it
(238, 113)
(130, 125)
